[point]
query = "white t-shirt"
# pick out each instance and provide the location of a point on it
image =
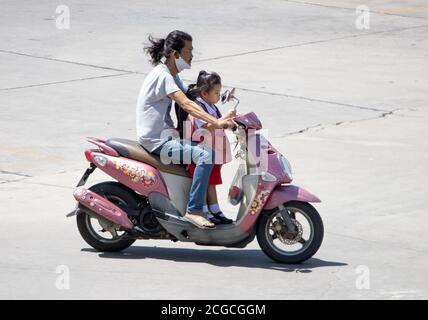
(154, 106)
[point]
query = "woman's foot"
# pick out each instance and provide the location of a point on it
(219, 216)
(198, 220)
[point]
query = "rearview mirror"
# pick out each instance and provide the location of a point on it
(227, 96)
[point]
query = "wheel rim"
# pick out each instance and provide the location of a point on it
(105, 231)
(294, 244)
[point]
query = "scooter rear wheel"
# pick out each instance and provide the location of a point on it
(291, 247)
(103, 239)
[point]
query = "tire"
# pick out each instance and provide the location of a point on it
(112, 191)
(312, 246)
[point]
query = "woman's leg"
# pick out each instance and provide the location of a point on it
(204, 164)
(204, 160)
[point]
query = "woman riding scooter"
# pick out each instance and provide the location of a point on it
(162, 86)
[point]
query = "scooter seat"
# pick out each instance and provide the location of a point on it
(133, 150)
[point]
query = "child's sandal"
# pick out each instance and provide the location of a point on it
(222, 218)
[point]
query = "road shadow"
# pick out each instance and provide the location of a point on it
(246, 258)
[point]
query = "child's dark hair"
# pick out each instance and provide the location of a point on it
(160, 48)
(205, 82)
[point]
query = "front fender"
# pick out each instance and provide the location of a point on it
(283, 194)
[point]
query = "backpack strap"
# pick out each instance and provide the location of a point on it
(217, 111)
(181, 116)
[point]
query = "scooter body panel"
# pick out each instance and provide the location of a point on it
(270, 174)
(136, 175)
(185, 231)
(172, 220)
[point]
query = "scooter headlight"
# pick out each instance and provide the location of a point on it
(285, 165)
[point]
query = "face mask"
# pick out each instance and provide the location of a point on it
(181, 64)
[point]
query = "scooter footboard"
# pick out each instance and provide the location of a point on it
(101, 206)
(288, 193)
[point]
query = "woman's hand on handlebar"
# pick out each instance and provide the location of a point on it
(230, 114)
(223, 123)
(226, 121)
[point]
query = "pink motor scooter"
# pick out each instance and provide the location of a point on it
(148, 200)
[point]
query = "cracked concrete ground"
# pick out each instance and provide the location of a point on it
(348, 108)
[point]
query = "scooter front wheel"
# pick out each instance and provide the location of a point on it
(290, 246)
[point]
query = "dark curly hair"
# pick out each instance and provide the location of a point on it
(160, 48)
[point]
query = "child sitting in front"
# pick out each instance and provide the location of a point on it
(206, 92)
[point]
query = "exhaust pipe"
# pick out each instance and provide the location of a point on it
(101, 206)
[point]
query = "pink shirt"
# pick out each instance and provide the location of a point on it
(219, 141)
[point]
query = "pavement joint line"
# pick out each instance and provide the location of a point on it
(240, 88)
(338, 123)
(322, 127)
(64, 81)
(219, 57)
(309, 99)
(25, 177)
(11, 181)
(244, 53)
(299, 97)
(65, 61)
(308, 43)
(15, 173)
(190, 81)
(353, 9)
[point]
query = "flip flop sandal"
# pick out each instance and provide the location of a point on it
(200, 222)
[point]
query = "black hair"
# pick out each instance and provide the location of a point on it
(205, 82)
(160, 48)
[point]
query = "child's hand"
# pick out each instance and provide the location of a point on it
(230, 114)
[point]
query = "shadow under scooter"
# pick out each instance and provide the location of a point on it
(248, 258)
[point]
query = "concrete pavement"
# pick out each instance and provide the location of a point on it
(348, 108)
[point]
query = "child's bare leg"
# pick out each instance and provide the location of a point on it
(212, 201)
(212, 195)
(214, 207)
(205, 209)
